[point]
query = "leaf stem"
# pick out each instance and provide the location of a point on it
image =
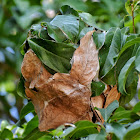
(132, 6)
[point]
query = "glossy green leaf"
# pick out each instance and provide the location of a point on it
(117, 129)
(55, 33)
(106, 112)
(124, 116)
(21, 88)
(31, 125)
(97, 88)
(26, 109)
(137, 61)
(83, 128)
(51, 59)
(113, 52)
(124, 74)
(129, 44)
(99, 39)
(88, 19)
(133, 131)
(103, 52)
(70, 25)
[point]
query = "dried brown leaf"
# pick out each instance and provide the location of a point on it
(98, 101)
(85, 60)
(62, 98)
(112, 96)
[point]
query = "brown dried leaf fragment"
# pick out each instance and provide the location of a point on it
(85, 60)
(62, 98)
(112, 96)
(98, 101)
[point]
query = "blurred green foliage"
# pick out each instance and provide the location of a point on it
(17, 17)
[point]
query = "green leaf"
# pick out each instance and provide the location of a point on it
(136, 108)
(46, 137)
(67, 10)
(124, 74)
(4, 124)
(83, 129)
(21, 88)
(35, 134)
(106, 112)
(129, 44)
(128, 6)
(99, 39)
(124, 116)
(133, 131)
(88, 19)
(97, 88)
(84, 31)
(99, 136)
(117, 129)
(70, 25)
(26, 109)
(6, 134)
(37, 30)
(137, 61)
(103, 52)
(55, 32)
(53, 55)
(31, 125)
(113, 52)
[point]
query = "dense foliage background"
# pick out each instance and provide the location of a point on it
(17, 17)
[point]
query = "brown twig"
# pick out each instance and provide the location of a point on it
(132, 6)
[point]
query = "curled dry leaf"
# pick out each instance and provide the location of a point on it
(85, 60)
(98, 101)
(112, 96)
(62, 98)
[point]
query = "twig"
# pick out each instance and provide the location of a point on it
(132, 6)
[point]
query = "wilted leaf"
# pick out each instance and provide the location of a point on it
(85, 65)
(61, 98)
(112, 96)
(98, 101)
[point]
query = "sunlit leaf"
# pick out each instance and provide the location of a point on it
(26, 109)
(31, 125)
